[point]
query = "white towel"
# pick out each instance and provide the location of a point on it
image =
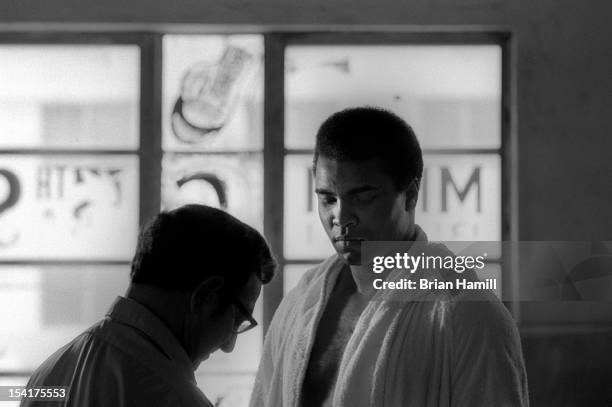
(443, 350)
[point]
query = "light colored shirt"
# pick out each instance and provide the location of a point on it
(441, 349)
(130, 358)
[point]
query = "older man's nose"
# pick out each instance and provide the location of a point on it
(228, 346)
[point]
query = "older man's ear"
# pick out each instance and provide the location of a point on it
(208, 292)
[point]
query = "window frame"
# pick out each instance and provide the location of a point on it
(150, 153)
(274, 139)
(149, 148)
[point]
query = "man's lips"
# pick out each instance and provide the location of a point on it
(347, 239)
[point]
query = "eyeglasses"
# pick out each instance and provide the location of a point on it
(246, 322)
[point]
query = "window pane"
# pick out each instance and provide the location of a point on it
(459, 200)
(232, 182)
(227, 389)
(292, 274)
(69, 96)
(13, 381)
(460, 197)
(212, 92)
(68, 207)
(304, 234)
(56, 303)
(450, 95)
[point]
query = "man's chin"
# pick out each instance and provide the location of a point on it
(201, 359)
(351, 258)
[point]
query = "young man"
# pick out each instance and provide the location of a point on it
(196, 275)
(335, 341)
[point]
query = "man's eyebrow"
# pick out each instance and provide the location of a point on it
(354, 191)
(365, 188)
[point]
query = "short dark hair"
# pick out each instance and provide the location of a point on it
(363, 133)
(179, 249)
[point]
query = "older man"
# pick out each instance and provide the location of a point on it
(196, 275)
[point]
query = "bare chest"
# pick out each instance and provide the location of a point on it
(333, 333)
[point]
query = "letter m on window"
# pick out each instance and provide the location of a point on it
(473, 181)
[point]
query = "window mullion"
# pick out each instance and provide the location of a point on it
(274, 143)
(150, 151)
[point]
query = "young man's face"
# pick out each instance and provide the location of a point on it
(358, 201)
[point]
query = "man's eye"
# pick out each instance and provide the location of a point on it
(326, 199)
(365, 198)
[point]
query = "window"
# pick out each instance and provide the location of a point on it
(452, 97)
(100, 131)
(212, 139)
(69, 191)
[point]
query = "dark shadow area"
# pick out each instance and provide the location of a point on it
(569, 367)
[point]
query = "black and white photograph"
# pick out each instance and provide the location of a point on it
(305, 204)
